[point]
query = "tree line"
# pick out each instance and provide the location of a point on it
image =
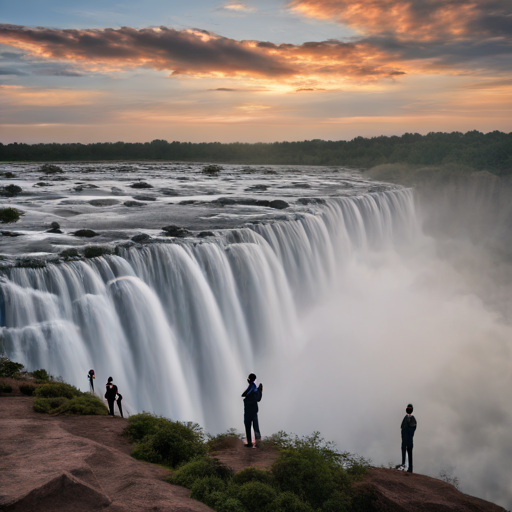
(482, 151)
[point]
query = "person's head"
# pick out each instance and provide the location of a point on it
(110, 379)
(251, 377)
(409, 409)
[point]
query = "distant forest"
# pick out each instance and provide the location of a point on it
(490, 151)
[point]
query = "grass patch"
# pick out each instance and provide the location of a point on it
(85, 404)
(48, 405)
(10, 214)
(57, 389)
(223, 441)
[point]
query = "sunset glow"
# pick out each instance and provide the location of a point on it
(335, 69)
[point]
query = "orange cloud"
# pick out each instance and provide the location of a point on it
(204, 54)
(423, 20)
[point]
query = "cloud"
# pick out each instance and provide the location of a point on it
(36, 97)
(236, 8)
(201, 53)
(440, 35)
(416, 19)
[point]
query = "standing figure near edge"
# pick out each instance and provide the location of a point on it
(252, 395)
(408, 428)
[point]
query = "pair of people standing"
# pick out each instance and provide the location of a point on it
(111, 394)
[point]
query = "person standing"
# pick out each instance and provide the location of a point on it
(252, 395)
(110, 395)
(91, 376)
(408, 429)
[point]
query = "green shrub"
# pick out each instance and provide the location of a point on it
(56, 389)
(364, 499)
(85, 404)
(306, 473)
(41, 374)
(338, 502)
(204, 487)
(50, 169)
(290, 502)
(168, 442)
(28, 388)
(223, 441)
(224, 503)
(48, 405)
(5, 388)
(253, 475)
(9, 368)
(256, 496)
(142, 425)
(10, 214)
(200, 467)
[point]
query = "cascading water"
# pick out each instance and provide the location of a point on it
(180, 325)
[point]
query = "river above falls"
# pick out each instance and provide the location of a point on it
(119, 200)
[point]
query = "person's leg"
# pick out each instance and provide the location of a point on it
(403, 454)
(120, 407)
(409, 456)
(111, 407)
(256, 425)
(247, 423)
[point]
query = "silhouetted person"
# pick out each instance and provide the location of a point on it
(408, 428)
(110, 395)
(119, 399)
(91, 378)
(252, 395)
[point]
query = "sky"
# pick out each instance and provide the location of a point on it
(253, 71)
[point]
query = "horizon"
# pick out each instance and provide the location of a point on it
(254, 71)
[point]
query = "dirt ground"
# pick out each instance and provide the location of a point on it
(75, 464)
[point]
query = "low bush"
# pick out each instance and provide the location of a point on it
(9, 368)
(5, 388)
(142, 425)
(27, 388)
(50, 169)
(41, 375)
(290, 502)
(57, 389)
(223, 441)
(10, 214)
(253, 475)
(48, 405)
(204, 487)
(85, 404)
(164, 441)
(256, 496)
(200, 467)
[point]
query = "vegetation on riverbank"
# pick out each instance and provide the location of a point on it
(51, 395)
(308, 474)
(491, 151)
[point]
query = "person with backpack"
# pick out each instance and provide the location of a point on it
(408, 429)
(252, 395)
(91, 376)
(110, 395)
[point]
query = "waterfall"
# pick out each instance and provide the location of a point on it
(180, 325)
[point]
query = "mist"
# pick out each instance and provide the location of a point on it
(429, 323)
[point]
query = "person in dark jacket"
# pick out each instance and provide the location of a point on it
(408, 428)
(110, 395)
(252, 395)
(91, 378)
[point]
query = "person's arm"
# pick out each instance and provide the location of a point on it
(246, 391)
(259, 392)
